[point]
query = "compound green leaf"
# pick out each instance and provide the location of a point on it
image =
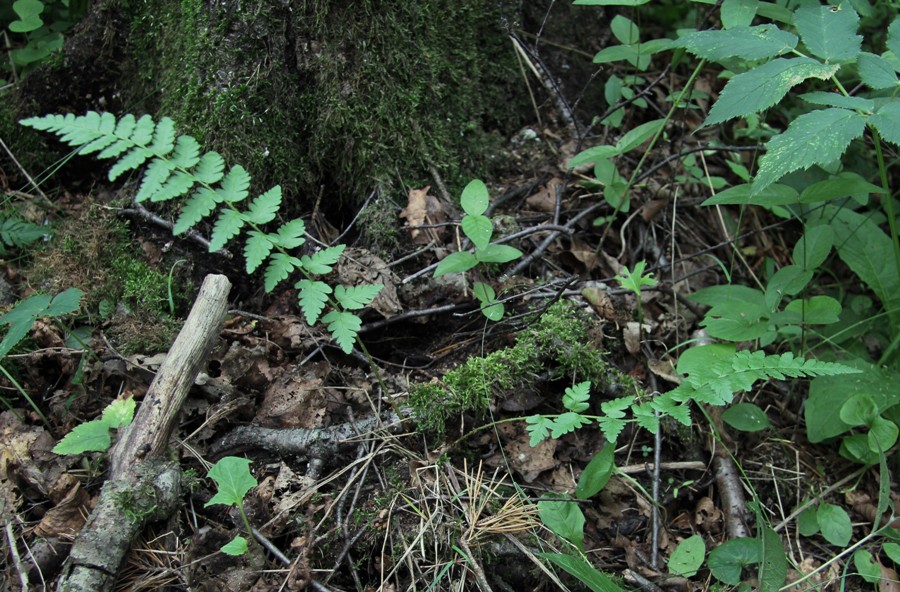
(475, 197)
(156, 174)
(455, 263)
(764, 86)
(688, 556)
(313, 296)
(227, 225)
(200, 205)
(565, 519)
(728, 559)
(176, 185)
(234, 186)
(567, 423)
(210, 169)
(820, 137)
(264, 208)
(344, 327)
(829, 32)
(91, 436)
(143, 131)
(290, 234)
(586, 573)
(876, 72)
(611, 427)
(133, 159)
(646, 417)
(479, 229)
(356, 297)
(615, 407)
(279, 268)
(233, 481)
(887, 121)
(597, 472)
(494, 253)
(835, 524)
(746, 417)
(257, 248)
(321, 261)
(747, 43)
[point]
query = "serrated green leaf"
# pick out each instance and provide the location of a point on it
(290, 234)
(176, 185)
(344, 327)
(119, 413)
(320, 262)
(611, 427)
(356, 297)
(210, 169)
(539, 428)
(875, 71)
(746, 417)
(233, 481)
(567, 423)
(257, 248)
(475, 198)
(66, 302)
(264, 208)
(279, 268)
(163, 137)
(835, 524)
(646, 417)
(200, 205)
(133, 159)
(234, 186)
(91, 436)
(227, 226)
(313, 296)
(479, 229)
(564, 519)
(688, 556)
(764, 86)
(235, 547)
(829, 32)
(597, 473)
(495, 253)
(819, 137)
(830, 99)
(886, 121)
(455, 263)
(187, 152)
(576, 397)
(154, 176)
(747, 43)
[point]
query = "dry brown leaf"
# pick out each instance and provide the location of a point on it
(67, 517)
(296, 399)
(544, 200)
(359, 266)
(708, 517)
(529, 462)
(632, 332)
(423, 209)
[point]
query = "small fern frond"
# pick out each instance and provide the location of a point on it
(258, 247)
(200, 205)
(344, 327)
(290, 235)
(761, 366)
(313, 296)
(320, 262)
(280, 267)
(227, 226)
(356, 297)
(264, 208)
(16, 233)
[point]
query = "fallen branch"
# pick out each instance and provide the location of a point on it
(143, 487)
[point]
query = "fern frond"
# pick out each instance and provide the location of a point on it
(320, 262)
(356, 297)
(187, 152)
(210, 169)
(234, 185)
(258, 247)
(313, 296)
(17, 233)
(279, 268)
(264, 208)
(200, 205)
(761, 366)
(344, 327)
(290, 235)
(227, 225)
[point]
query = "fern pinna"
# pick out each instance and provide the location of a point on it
(175, 167)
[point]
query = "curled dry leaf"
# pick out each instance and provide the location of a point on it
(68, 516)
(424, 209)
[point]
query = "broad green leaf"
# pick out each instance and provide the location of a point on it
(844, 184)
(565, 519)
(321, 261)
(264, 208)
(866, 566)
(855, 448)
(456, 263)
(91, 436)
(860, 409)
(835, 524)
(764, 86)
(818, 310)
(771, 196)
(830, 99)
(119, 413)
(624, 30)
(257, 248)
(586, 573)
(637, 136)
(227, 226)
(494, 253)
(876, 72)
(64, 303)
(773, 567)
(887, 121)
(747, 43)
(829, 32)
(592, 155)
(279, 268)
(344, 327)
(479, 229)
(882, 435)
(893, 40)
(820, 137)
(728, 559)
(892, 550)
(235, 547)
(787, 281)
(313, 296)
(807, 523)
(484, 292)
(738, 13)
(746, 417)
(29, 19)
(233, 481)
(813, 247)
(234, 186)
(475, 197)
(597, 473)
(688, 556)
(356, 297)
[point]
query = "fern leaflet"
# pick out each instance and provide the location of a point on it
(343, 326)
(356, 297)
(279, 268)
(313, 296)
(264, 208)
(320, 262)
(256, 250)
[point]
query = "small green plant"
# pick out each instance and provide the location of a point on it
(93, 436)
(634, 281)
(36, 28)
(479, 229)
(175, 167)
(16, 233)
(233, 481)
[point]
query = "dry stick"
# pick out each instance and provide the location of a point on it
(139, 211)
(17, 560)
(143, 486)
(24, 172)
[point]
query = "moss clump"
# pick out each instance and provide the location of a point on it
(559, 341)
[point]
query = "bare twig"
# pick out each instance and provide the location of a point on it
(17, 560)
(139, 211)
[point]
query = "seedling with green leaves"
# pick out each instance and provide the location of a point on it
(93, 436)
(479, 229)
(233, 481)
(175, 168)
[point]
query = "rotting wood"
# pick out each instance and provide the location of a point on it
(141, 486)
